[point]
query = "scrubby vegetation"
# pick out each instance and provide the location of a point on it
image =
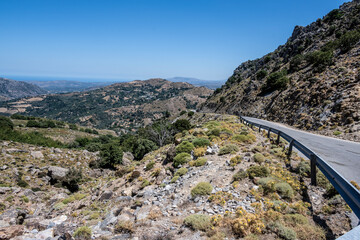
(202, 188)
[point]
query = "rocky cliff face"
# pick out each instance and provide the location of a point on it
(311, 82)
(10, 89)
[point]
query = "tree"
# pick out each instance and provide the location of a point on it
(142, 147)
(181, 125)
(111, 155)
(160, 132)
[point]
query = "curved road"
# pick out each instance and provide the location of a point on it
(342, 155)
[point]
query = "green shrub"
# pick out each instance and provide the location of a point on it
(149, 166)
(261, 74)
(182, 112)
(181, 171)
(333, 15)
(144, 183)
(303, 168)
(198, 222)
(6, 124)
(276, 81)
(259, 158)
(336, 133)
(83, 233)
(185, 147)
(258, 171)
(320, 59)
(282, 231)
(72, 179)
(295, 219)
(229, 148)
(191, 113)
(295, 62)
(200, 162)
(267, 184)
(348, 40)
(93, 147)
(25, 199)
(181, 159)
(181, 125)
(214, 132)
(174, 179)
(142, 147)
(284, 190)
(240, 175)
(201, 142)
(110, 155)
(22, 183)
(73, 126)
(202, 188)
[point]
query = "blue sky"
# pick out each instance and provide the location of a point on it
(140, 39)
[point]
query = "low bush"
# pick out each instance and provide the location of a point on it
(320, 59)
(276, 81)
(282, 231)
(199, 152)
(144, 184)
(181, 171)
(229, 148)
(200, 162)
(261, 74)
(149, 166)
(240, 175)
(303, 168)
(174, 179)
(72, 179)
(185, 147)
(181, 125)
(259, 158)
(181, 159)
(284, 190)
(202, 188)
(134, 175)
(83, 233)
(201, 142)
(267, 184)
(258, 171)
(235, 161)
(198, 222)
(124, 227)
(295, 219)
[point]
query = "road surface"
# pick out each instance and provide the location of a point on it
(342, 155)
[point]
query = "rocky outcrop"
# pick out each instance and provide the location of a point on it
(311, 82)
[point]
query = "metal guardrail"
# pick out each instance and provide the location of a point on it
(350, 194)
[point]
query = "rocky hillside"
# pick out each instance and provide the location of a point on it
(121, 106)
(11, 89)
(217, 180)
(311, 82)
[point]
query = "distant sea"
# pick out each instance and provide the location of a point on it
(50, 78)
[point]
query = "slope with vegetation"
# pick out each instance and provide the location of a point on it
(121, 106)
(311, 82)
(11, 89)
(205, 176)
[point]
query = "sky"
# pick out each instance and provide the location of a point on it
(141, 39)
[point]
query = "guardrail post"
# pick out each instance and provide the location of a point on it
(313, 169)
(259, 128)
(269, 131)
(290, 149)
(278, 138)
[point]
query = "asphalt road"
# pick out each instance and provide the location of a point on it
(342, 155)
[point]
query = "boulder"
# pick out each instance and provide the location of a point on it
(57, 173)
(37, 154)
(127, 158)
(106, 195)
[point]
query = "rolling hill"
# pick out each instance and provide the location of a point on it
(11, 89)
(119, 106)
